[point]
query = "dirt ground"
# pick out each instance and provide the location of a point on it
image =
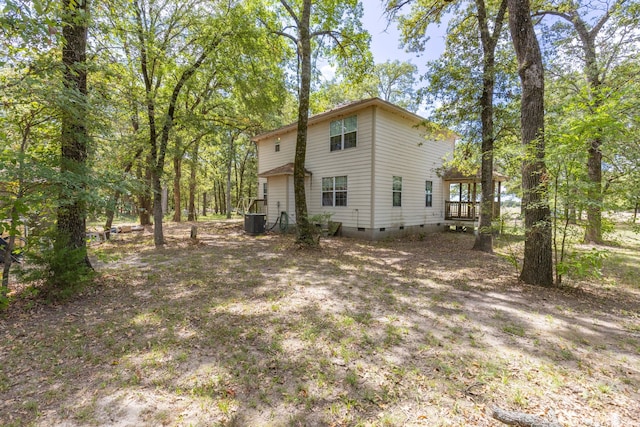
(235, 330)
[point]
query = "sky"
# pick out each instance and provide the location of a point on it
(385, 40)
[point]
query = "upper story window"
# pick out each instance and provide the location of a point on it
(397, 191)
(334, 191)
(277, 145)
(428, 193)
(343, 133)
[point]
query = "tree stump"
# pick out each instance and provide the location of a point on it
(194, 232)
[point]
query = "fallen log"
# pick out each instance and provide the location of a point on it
(521, 419)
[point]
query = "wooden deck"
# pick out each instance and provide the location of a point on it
(461, 211)
(466, 211)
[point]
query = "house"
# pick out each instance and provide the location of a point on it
(370, 165)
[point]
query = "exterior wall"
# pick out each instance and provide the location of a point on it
(281, 197)
(269, 158)
(277, 186)
(402, 150)
(277, 199)
(352, 162)
(322, 163)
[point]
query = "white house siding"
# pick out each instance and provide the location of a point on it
(402, 150)
(352, 162)
(269, 159)
(291, 197)
(277, 186)
(277, 198)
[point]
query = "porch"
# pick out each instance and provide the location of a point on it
(467, 189)
(466, 211)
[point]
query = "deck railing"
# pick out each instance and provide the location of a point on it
(461, 210)
(466, 211)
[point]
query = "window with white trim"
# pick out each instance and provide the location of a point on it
(397, 191)
(343, 133)
(428, 193)
(277, 145)
(334, 191)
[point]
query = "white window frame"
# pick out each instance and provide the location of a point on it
(343, 129)
(428, 193)
(396, 189)
(330, 188)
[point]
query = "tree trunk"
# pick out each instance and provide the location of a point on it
(71, 221)
(6, 267)
(523, 420)
(14, 215)
(177, 176)
(305, 230)
(221, 194)
(215, 197)
(111, 211)
(144, 198)
(537, 267)
(159, 148)
(243, 168)
(13, 230)
(218, 199)
(587, 37)
(229, 167)
(192, 182)
(158, 235)
(204, 203)
(593, 231)
(484, 238)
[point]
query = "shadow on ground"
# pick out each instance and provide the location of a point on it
(239, 330)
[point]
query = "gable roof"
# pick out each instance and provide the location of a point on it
(340, 110)
(281, 170)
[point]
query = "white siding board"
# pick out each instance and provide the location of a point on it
(277, 187)
(352, 162)
(269, 159)
(402, 150)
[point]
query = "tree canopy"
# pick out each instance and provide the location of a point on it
(146, 108)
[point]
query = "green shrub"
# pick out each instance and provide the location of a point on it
(581, 265)
(607, 226)
(61, 270)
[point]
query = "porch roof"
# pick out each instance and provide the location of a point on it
(455, 175)
(282, 170)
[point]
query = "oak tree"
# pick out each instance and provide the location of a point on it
(309, 24)
(480, 20)
(537, 266)
(72, 210)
